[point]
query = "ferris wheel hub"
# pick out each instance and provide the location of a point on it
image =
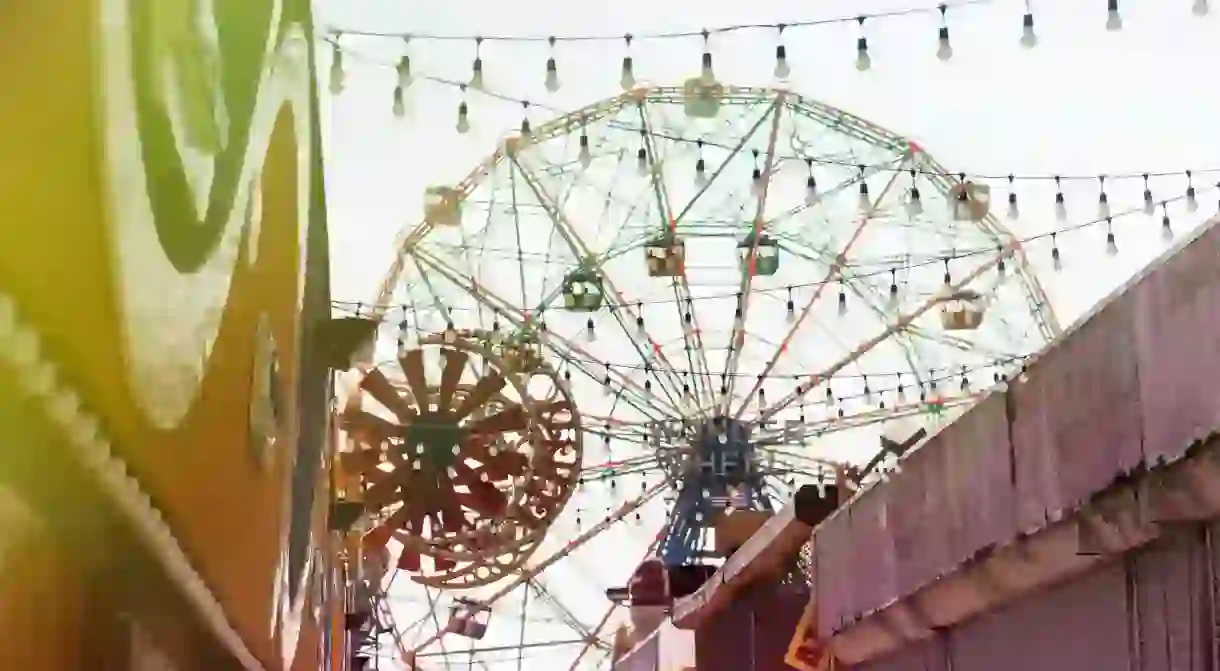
(437, 439)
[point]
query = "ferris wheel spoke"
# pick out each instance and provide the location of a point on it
(382, 391)
(412, 363)
(823, 256)
(372, 428)
(594, 637)
(383, 532)
(573, 545)
(951, 342)
(512, 418)
(899, 324)
(736, 149)
(487, 386)
(747, 279)
(582, 251)
(1037, 302)
(691, 332)
(411, 236)
(381, 491)
(455, 366)
(866, 218)
(483, 498)
(575, 355)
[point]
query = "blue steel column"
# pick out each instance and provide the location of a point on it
(724, 460)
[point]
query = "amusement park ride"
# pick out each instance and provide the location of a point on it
(722, 454)
(271, 466)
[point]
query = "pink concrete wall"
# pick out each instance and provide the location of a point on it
(754, 633)
(1146, 612)
(1133, 385)
(645, 657)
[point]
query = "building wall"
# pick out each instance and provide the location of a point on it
(1149, 611)
(1129, 389)
(666, 649)
(754, 632)
(163, 257)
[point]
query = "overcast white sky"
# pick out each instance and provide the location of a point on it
(1084, 102)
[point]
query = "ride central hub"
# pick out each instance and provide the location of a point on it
(724, 454)
(436, 439)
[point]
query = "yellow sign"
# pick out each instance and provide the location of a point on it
(807, 652)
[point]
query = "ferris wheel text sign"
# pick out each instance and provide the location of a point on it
(662, 433)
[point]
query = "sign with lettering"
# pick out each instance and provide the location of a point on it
(806, 651)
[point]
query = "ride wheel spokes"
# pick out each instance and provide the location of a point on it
(463, 462)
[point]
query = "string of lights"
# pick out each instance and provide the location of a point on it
(904, 383)
(667, 35)
(1028, 37)
(651, 369)
(1149, 207)
(1010, 179)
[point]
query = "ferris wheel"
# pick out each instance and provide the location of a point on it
(667, 304)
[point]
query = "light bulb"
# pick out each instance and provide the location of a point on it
(590, 330)
(1014, 212)
(1200, 8)
(914, 204)
(944, 50)
(1114, 20)
(863, 60)
(1061, 212)
(641, 162)
(627, 80)
(1149, 204)
(1103, 206)
(476, 75)
(700, 173)
(1166, 229)
(811, 191)
(552, 75)
(842, 303)
(1029, 39)
(336, 71)
(758, 186)
(404, 71)
(1111, 244)
(1192, 200)
(399, 107)
(463, 117)
(864, 203)
(586, 156)
(707, 76)
(782, 69)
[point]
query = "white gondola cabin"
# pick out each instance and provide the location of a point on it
(443, 206)
(701, 100)
(758, 254)
(962, 311)
(583, 291)
(969, 201)
(665, 256)
(522, 354)
(469, 619)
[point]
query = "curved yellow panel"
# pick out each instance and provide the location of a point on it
(163, 243)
